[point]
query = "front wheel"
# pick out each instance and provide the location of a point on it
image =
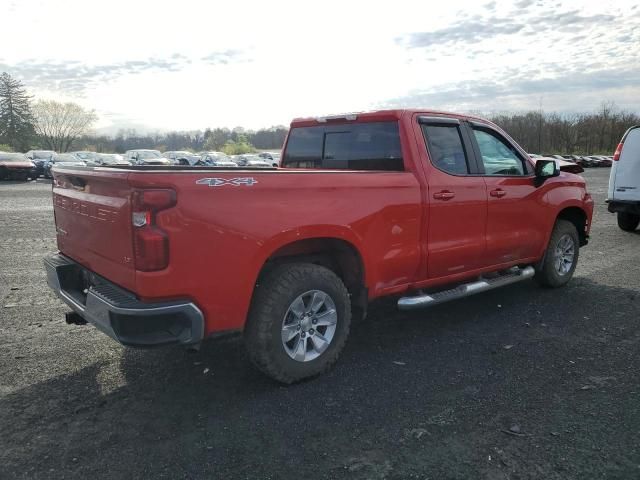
(561, 257)
(628, 221)
(299, 322)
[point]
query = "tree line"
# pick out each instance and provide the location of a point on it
(52, 125)
(580, 133)
(231, 141)
(537, 132)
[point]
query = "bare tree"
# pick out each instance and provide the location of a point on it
(59, 124)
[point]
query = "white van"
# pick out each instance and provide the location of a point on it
(624, 183)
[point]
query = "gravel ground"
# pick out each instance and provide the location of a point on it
(515, 383)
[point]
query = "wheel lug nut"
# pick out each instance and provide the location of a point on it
(303, 335)
(311, 331)
(314, 321)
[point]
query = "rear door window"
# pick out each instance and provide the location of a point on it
(446, 148)
(358, 146)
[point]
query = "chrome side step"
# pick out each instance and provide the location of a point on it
(514, 275)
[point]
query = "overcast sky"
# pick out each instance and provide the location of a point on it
(187, 64)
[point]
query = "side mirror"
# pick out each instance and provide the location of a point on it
(546, 169)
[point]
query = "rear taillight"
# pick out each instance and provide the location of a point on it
(150, 242)
(616, 155)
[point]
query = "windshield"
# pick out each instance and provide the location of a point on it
(149, 154)
(43, 154)
(84, 155)
(110, 159)
(13, 157)
(65, 157)
(217, 157)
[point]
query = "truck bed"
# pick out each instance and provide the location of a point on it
(227, 222)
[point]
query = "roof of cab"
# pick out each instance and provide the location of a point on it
(378, 116)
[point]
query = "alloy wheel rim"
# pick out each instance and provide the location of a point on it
(565, 252)
(309, 326)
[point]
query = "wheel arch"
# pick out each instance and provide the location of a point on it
(340, 255)
(578, 217)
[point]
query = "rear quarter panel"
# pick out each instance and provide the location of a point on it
(220, 237)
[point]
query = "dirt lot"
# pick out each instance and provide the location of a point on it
(515, 383)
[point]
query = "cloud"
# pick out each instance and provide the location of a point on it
(467, 31)
(523, 4)
(75, 78)
(477, 28)
(524, 92)
(225, 57)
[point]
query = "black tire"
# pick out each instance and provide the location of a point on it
(628, 221)
(272, 299)
(547, 273)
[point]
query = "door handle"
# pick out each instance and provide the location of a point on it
(444, 195)
(497, 193)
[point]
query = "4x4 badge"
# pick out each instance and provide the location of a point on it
(236, 182)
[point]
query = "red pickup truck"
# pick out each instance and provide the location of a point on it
(426, 206)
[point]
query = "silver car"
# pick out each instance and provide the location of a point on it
(181, 157)
(146, 157)
(107, 159)
(62, 159)
(253, 161)
(215, 159)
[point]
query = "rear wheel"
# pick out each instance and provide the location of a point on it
(628, 221)
(299, 322)
(561, 257)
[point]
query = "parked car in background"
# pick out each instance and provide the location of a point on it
(272, 157)
(580, 161)
(146, 157)
(66, 159)
(16, 166)
(255, 161)
(106, 159)
(575, 159)
(587, 161)
(215, 159)
(596, 161)
(39, 158)
(623, 196)
(605, 161)
(84, 155)
(181, 157)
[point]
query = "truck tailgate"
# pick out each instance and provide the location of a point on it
(93, 221)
